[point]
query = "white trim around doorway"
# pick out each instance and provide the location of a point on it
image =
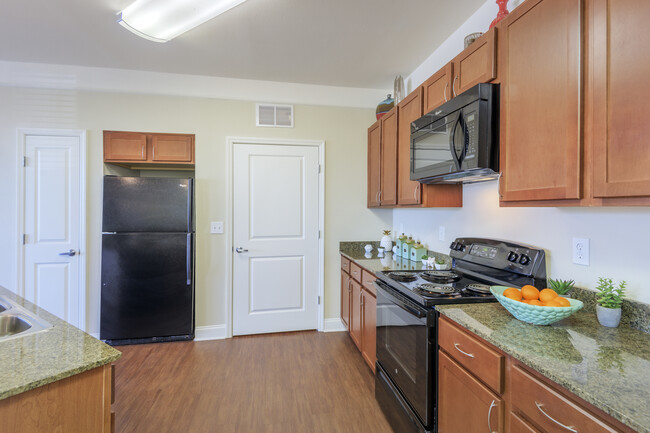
(231, 143)
(21, 135)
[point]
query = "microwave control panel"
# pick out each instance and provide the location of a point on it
(472, 136)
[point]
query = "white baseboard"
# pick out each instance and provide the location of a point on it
(333, 325)
(214, 332)
(94, 334)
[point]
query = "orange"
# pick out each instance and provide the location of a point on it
(529, 292)
(554, 303)
(525, 301)
(564, 302)
(547, 295)
(535, 302)
(512, 293)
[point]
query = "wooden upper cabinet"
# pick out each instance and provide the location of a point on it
(140, 149)
(125, 146)
(388, 191)
(475, 64)
(374, 164)
(619, 48)
(437, 89)
(408, 110)
(172, 148)
(540, 69)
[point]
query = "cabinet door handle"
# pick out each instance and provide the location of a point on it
(570, 428)
(444, 91)
(499, 184)
(379, 201)
(453, 85)
(464, 353)
(492, 405)
(415, 192)
(377, 197)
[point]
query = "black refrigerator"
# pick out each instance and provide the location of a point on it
(147, 292)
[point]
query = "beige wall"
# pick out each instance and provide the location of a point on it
(212, 120)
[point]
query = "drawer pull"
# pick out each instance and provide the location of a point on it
(464, 353)
(493, 404)
(539, 406)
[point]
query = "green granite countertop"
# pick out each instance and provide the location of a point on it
(372, 262)
(608, 367)
(49, 355)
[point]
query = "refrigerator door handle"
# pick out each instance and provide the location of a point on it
(188, 259)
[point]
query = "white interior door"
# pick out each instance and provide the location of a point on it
(275, 235)
(53, 224)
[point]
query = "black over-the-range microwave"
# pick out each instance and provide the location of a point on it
(458, 142)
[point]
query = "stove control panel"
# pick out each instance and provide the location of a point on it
(519, 258)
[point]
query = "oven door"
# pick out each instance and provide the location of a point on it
(406, 350)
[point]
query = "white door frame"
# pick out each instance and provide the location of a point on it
(22, 134)
(230, 184)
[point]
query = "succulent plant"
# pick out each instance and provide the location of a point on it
(440, 261)
(608, 295)
(425, 257)
(561, 287)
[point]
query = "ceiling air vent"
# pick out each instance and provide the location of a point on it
(280, 116)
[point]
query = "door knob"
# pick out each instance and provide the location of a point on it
(241, 250)
(68, 253)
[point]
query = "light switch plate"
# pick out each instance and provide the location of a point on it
(216, 227)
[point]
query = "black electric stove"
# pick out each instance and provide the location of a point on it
(477, 264)
(407, 331)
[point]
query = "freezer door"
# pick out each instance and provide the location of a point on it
(147, 285)
(147, 204)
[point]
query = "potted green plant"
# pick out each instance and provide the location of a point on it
(425, 260)
(561, 287)
(440, 263)
(609, 299)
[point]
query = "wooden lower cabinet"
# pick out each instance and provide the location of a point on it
(369, 328)
(464, 403)
(359, 309)
(534, 404)
(77, 404)
(346, 295)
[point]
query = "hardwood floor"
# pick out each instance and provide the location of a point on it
(290, 382)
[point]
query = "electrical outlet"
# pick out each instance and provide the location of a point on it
(441, 233)
(581, 251)
(216, 227)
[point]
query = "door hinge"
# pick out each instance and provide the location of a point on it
(24, 161)
(24, 239)
(319, 168)
(319, 300)
(318, 234)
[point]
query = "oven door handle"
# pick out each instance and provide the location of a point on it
(412, 311)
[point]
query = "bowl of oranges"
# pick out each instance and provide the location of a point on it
(539, 307)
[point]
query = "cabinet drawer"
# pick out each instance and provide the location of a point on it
(366, 280)
(471, 353)
(355, 271)
(549, 409)
(345, 264)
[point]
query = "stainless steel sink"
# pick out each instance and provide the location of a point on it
(12, 324)
(16, 321)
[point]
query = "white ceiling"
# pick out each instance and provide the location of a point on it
(350, 43)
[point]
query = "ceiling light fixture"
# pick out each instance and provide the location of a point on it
(163, 20)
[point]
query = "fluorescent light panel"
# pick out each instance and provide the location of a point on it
(163, 20)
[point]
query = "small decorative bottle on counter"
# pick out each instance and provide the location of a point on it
(406, 248)
(400, 240)
(417, 250)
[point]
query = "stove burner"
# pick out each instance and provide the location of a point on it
(402, 276)
(483, 289)
(440, 276)
(432, 288)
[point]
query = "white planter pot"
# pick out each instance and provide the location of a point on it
(441, 267)
(609, 317)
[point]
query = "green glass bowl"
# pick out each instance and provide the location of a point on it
(535, 314)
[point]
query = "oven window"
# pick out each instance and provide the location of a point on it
(432, 146)
(405, 353)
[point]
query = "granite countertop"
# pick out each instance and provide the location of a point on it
(608, 367)
(47, 356)
(372, 262)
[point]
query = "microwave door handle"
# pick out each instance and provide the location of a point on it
(452, 138)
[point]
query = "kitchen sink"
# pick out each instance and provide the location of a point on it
(12, 324)
(15, 321)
